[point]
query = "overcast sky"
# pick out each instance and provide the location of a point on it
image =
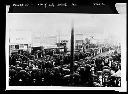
(101, 26)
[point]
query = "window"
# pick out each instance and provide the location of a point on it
(17, 46)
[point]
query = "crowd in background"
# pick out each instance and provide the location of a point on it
(26, 69)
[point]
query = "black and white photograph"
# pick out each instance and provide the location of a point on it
(66, 51)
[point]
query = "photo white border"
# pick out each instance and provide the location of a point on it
(123, 87)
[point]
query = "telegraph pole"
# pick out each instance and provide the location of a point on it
(72, 50)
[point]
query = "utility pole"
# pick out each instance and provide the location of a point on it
(72, 50)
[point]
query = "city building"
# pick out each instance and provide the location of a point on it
(19, 40)
(79, 41)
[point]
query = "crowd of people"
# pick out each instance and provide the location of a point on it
(26, 69)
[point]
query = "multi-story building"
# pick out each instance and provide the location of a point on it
(78, 41)
(21, 41)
